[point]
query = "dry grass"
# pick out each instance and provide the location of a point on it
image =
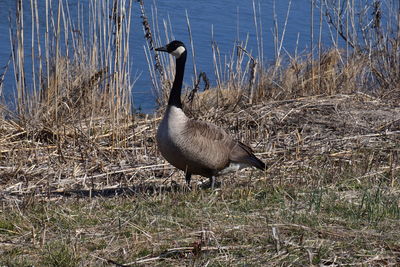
(289, 132)
(82, 182)
(77, 78)
(331, 194)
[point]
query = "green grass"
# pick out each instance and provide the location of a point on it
(235, 225)
(59, 253)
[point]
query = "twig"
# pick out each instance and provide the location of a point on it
(172, 251)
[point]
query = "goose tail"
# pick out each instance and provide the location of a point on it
(256, 162)
(244, 154)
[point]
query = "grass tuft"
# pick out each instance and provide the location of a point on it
(59, 253)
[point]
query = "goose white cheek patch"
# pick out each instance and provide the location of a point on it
(178, 52)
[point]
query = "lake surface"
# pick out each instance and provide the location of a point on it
(230, 21)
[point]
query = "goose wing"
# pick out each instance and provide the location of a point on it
(207, 144)
(211, 145)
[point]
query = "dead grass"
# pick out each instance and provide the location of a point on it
(330, 196)
(291, 132)
(254, 223)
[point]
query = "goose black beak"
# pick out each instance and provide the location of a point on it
(162, 49)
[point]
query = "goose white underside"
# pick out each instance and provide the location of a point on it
(232, 167)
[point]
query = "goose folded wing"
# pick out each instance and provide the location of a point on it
(209, 143)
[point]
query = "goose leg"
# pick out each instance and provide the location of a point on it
(212, 182)
(188, 176)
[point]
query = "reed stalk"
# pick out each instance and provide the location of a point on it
(340, 68)
(81, 72)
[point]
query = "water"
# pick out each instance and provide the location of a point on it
(229, 20)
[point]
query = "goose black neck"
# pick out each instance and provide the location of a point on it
(175, 95)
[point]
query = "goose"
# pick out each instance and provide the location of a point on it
(194, 146)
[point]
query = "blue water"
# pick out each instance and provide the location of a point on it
(231, 21)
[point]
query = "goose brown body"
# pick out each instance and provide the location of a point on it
(197, 147)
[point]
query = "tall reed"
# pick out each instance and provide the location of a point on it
(79, 70)
(364, 55)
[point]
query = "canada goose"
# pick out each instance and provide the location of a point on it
(197, 147)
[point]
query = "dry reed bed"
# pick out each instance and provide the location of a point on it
(316, 146)
(299, 138)
(76, 132)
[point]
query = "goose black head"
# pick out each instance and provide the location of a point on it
(175, 48)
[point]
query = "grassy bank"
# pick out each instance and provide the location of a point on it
(82, 182)
(245, 223)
